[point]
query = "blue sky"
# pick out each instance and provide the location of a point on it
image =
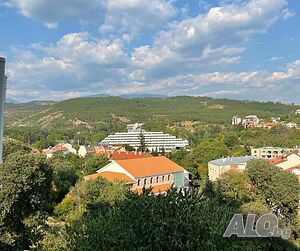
(60, 49)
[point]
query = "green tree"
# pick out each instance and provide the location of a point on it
(234, 186)
(12, 146)
(279, 189)
(25, 191)
(143, 145)
(174, 221)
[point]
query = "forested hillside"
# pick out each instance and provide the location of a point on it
(91, 111)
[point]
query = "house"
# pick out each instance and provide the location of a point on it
(268, 125)
(220, 166)
(85, 150)
(291, 125)
(270, 152)
(156, 173)
(297, 112)
(48, 152)
(64, 148)
(250, 121)
(236, 120)
(286, 161)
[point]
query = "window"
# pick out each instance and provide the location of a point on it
(169, 177)
(139, 182)
(145, 182)
(163, 178)
(151, 180)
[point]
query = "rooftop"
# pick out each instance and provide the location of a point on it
(233, 160)
(144, 167)
(129, 155)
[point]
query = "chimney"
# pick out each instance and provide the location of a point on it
(2, 103)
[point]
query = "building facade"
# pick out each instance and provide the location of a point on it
(270, 152)
(156, 173)
(236, 120)
(154, 141)
(220, 166)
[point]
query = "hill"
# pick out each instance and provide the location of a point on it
(98, 110)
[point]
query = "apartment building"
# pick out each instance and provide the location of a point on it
(270, 152)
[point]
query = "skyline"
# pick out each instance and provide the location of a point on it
(223, 49)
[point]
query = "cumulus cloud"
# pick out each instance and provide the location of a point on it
(190, 57)
(50, 12)
(111, 15)
(219, 33)
(76, 63)
(137, 15)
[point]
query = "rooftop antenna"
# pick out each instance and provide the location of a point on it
(2, 103)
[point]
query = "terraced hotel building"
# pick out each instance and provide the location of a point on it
(154, 141)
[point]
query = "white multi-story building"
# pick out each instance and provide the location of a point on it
(154, 141)
(236, 120)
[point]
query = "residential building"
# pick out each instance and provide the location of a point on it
(297, 112)
(2, 103)
(268, 125)
(156, 173)
(154, 141)
(64, 148)
(291, 125)
(275, 119)
(236, 120)
(220, 166)
(270, 152)
(286, 161)
(100, 150)
(85, 150)
(250, 120)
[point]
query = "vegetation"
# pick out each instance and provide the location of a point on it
(47, 205)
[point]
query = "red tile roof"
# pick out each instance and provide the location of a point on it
(129, 155)
(144, 167)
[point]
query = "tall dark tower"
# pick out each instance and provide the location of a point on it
(2, 103)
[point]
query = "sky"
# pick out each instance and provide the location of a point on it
(61, 49)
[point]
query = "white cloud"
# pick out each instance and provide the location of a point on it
(275, 58)
(76, 63)
(137, 15)
(222, 29)
(53, 11)
(188, 57)
(287, 14)
(112, 15)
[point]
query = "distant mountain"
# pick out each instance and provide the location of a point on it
(142, 95)
(134, 95)
(11, 101)
(98, 95)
